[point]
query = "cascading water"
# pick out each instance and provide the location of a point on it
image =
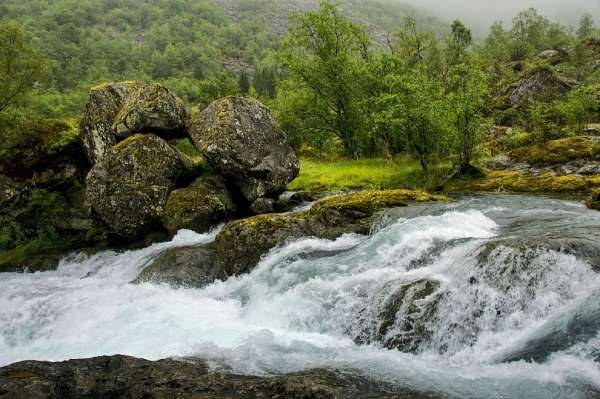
(467, 289)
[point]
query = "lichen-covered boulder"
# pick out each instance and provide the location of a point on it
(152, 108)
(200, 206)
(242, 243)
(242, 141)
(129, 187)
(542, 82)
(96, 128)
(195, 266)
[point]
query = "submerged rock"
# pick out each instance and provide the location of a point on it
(242, 243)
(401, 311)
(195, 266)
(103, 105)
(154, 109)
(242, 141)
(128, 377)
(578, 324)
(129, 188)
(199, 207)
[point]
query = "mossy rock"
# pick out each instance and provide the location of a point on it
(240, 140)
(129, 188)
(152, 109)
(558, 151)
(199, 207)
(241, 244)
(520, 182)
(40, 145)
(96, 128)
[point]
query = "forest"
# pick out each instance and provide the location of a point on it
(426, 89)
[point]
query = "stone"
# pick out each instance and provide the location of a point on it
(151, 109)
(129, 187)
(262, 205)
(592, 168)
(403, 310)
(128, 377)
(500, 162)
(241, 140)
(194, 267)
(200, 206)
(543, 82)
(242, 243)
(96, 128)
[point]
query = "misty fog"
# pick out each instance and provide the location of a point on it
(481, 13)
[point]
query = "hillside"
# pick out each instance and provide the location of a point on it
(381, 16)
(197, 47)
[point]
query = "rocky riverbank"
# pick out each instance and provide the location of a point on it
(123, 376)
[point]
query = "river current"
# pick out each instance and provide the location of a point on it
(515, 312)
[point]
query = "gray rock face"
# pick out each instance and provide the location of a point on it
(195, 267)
(128, 189)
(117, 110)
(543, 82)
(200, 206)
(152, 108)
(128, 377)
(241, 141)
(500, 162)
(103, 105)
(549, 54)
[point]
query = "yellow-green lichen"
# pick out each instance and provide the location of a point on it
(557, 151)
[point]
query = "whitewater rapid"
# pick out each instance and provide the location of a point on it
(305, 303)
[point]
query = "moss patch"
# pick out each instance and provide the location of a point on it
(557, 151)
(514, 181)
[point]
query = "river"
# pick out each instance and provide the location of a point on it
(515, 312)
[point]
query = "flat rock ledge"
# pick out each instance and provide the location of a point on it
(128, 377)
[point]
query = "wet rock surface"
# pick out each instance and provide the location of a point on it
(194, 266)
(242, 243)
(128, 377)
(242, 141)
(402, 311)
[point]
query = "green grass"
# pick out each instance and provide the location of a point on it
(366, 174)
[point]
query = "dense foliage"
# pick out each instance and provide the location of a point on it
(338, 85)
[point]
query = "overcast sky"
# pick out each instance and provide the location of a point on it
(481, 13)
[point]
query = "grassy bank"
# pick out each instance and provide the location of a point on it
(366, 174)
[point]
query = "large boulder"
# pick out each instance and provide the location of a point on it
(104, 103)
(117, 110)
(241, 244)
(200, 206)
(195, 266)
(152, 108)
(129, 187)
(541, 83)
(242, 141)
